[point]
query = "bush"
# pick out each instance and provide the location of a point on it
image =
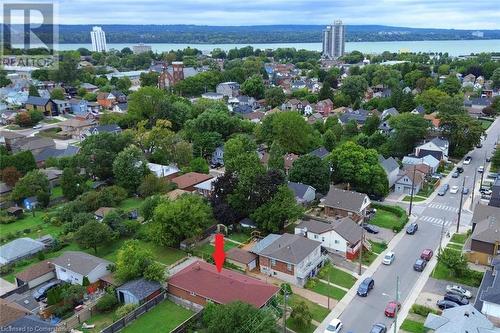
(286, 287)
(6, 269)
(6, 219)
(311, 283)
(123, 310)
(63, 311)
(106, 303)
(40, 256)
(422, 310)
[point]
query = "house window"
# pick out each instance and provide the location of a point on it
(337, 241)
(289, 267)
(273, 262)
(322, 239)
(192, 293)
(315, 236)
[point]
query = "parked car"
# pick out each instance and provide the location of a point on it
(391, 308)
(412, 228)
(455, 174)
(38, 126)
(419, 265)
(493, 175)
(488, 158)
(479, 145)
(485, 191)
(467, 160)
(371, 228)
(480, 169)
(454, 289)
(442, 191)
(460, 300)
(41, 293)
(375, 197)
(454, 189)
(378, 328)
(444, 304)
(365, 286)
(334, 327)
(426, 254)
(465, 190)
(460, 169)
(389, 258)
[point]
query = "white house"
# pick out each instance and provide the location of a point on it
(164, 171)
(213, 96)
(73, 266)
(437, 147)
(391, 168)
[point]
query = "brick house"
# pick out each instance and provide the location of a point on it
(340, 203)
(484, 243)
(189, 180)
(200, 283)
(106, 100)
(291, 258)
(324, 107)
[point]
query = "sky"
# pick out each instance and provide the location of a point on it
(457, 14)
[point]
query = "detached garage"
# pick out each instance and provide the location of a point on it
(138, 291)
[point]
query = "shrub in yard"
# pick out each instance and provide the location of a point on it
(63, 310)
(123, 310)
(5, 219)
(6, 269)
(311, 283)
(301, 314)
(106, 303)
(422, 310)
(40, 256)
(285, 287)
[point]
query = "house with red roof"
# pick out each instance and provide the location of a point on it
(188, 181)
(200, 282)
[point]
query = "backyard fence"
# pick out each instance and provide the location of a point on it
(183, 328)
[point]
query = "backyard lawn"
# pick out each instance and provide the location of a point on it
(101, 321)
(324, 289)
(207, 249)
(239, 237)
(130, 204)
(441, 272)
(385, 219)
(340, 278)
(31, 226)
(415, 198)
(378, 247)
(412, 326)
(56, 192)
(165, 255)
(162, 318)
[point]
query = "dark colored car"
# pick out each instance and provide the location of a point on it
(455, 174)
(378, 328)
(419, 265)
(426, 254)
(371, 228)
(41, 293)
(391, 309)
(488, 159)
(365, 286)
(460, 300)
(479, 145)
(412, 228)
(442, 191)
(374, 197)
(460, 169)
(465, 191)
(444, 304)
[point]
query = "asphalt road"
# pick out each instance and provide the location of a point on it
(363, 312)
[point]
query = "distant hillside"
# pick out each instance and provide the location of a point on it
(257, 34)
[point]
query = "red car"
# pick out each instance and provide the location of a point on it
(392, 308)
(426, 254)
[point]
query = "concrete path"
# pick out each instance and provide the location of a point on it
(6, 286)
(333, 284)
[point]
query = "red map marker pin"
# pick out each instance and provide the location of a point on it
(219, 255)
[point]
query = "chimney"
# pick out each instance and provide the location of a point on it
(466, 314)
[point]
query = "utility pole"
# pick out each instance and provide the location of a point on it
(460, 206)
(412, 187)
(441, 235)
(361, 250)
(285, 293)
(484, 170)
(397, 306)
(473, 187)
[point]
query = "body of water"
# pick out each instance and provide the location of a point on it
(453, 47)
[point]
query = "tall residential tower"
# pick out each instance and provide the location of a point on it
(334, 40)
(98, 40)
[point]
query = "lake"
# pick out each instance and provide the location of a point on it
(453, 47)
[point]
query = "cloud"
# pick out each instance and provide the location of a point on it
(458, 14)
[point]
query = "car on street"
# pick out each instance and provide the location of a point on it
(479, 145)
(412, 228)
(465, 190)
(365, 287)
(461, 291)
(334, 327)
(455, 174)
(485, 191)
(426, 254)
(488, 158)
(460, 169)
(389, 258)
(442, 191)
(480, 169)
(371, 228)
(378, 328)
(467, 160)
(461, 300)
(444, 304)
(419, 265)
(391, 309)
(454, 189)
(41, 292)
(37, 126)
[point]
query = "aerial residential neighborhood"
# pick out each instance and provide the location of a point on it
(154, 186)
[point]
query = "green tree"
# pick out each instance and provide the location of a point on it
(276, 157)
(325, 92)
(72, 183)
(34, 183)
(33, 91)
(408, 130)
(57, 93)
(253, 86)
(174, 221)
(149, 79)
(354, 87)
(129, 168)
(371, 125)
(495, 77)
(274, 96)
(199, 164)
(451, 85)
(455, 261)
(123, 84)
(93, 234)
(151, 184)
(430, 99)
(311, 170)
(155, 272)
(132, 261)
(495, 161)
(10, 175)
(235, 147)
(301, 314)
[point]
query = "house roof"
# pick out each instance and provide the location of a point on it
(35, 100)
(56, 153)
(110, 128)
(299, 189)
(4, 188)
(389, 164)
(346, 200)
(315, 226)
(241, 256)
(460, 319)
(102, 211)
(189, 179)
(206, 185)
(79, 262)
(419, 109)
(140, 288)
(225, 287)
(483, 212)
(35, 270)
(52, 173)
(418, 179)
(162, 170)
(29, 323)
(243, 109)
(77, 122)
(18, 248)
(321, 152)
(289, 248)
(489, 290)
(10, 312)
(11, 135)
(488, 229)
(349, 230)
(427, 160)
(33, 143)
(389, 112)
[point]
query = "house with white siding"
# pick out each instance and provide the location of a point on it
(73, 266)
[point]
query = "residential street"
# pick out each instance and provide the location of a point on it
(362, 312)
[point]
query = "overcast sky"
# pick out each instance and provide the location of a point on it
(459, 14)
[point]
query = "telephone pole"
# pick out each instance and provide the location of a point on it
(473, 187)
(460, 206)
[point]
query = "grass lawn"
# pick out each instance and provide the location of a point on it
(207, 249)
(101, 321)
(415, 198)
(459, 238)
(13, 127)
(56, 192)
(317, 311)
(368, 258)
(51, 120)
(454, 246)
(162, 318)
(34, 223)
(292, 324)
(378, 247)
(239, 237)
(412, 326)
(324, 289)
(426, 191)
(340, 277)
(165, 255)
(385, 219)
(485, 123)
(130, 204)
(441, 272)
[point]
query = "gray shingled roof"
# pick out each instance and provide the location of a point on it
(349, 230)
(298, 188)
(321, 152)
(343, 199)
(18, 248)
(79, 262)
(57, 153)
(389, 164)
(140, 288)
(290, 248)
(315, 226)
(35, 100)
(461, 319)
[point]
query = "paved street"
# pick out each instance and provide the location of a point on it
(362, 312)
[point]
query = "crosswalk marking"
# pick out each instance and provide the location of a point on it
(443, 207)
(434, 220)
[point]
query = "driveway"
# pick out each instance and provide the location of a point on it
(340, 261)
(385, 235)
(6, 286)
(436, 286)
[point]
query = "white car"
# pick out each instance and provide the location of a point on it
(480, 169)
(38, 126)
(334, 327)
(467, 160)
(388, 258)
(454, 189)
(458, 290)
